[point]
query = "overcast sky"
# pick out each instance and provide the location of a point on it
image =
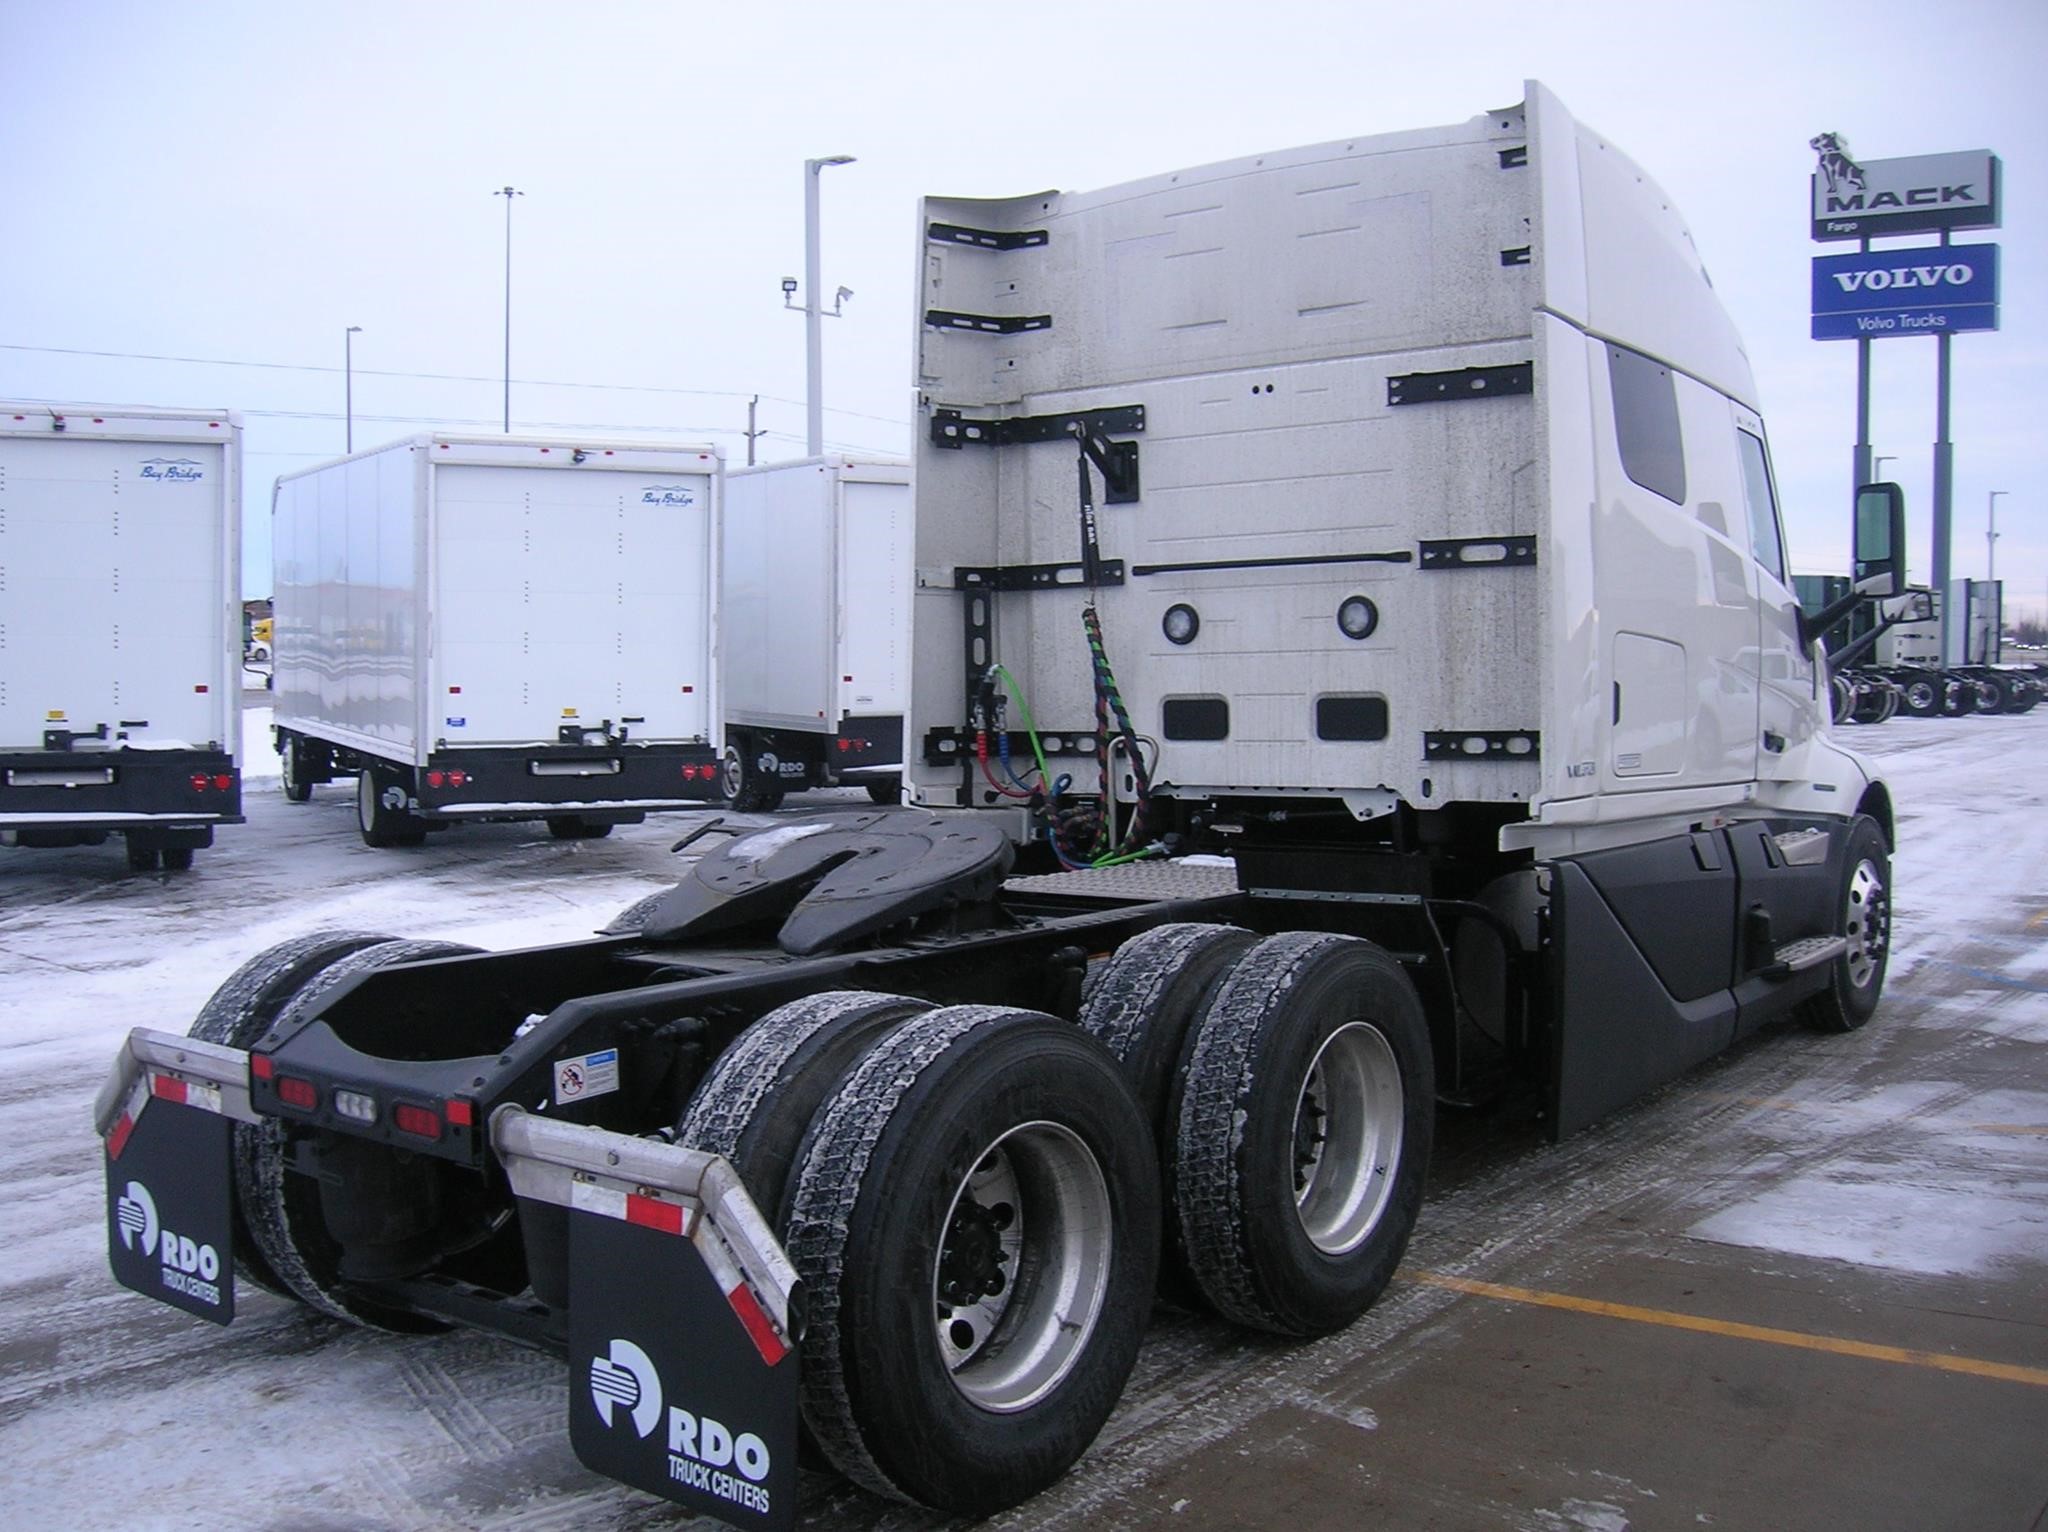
(191, 186)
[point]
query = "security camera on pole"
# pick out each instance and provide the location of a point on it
(814, 329)
(1880, 294)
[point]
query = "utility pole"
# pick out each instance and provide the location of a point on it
(751, 432)
(348, 385)
(814, 327)
(1991, 537)
(508, 193)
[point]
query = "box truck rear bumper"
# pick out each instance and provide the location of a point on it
(80, 790)
(618, 782)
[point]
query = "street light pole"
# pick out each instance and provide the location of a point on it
(814, 318)
(348, 384)
(1991, 537)
(508, 193)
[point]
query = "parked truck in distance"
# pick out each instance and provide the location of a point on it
(120, 636)
(498, 628)
(1393, 514)
(814, 628)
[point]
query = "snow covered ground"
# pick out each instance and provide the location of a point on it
(286, 1420)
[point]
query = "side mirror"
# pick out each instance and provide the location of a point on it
(1879, 558)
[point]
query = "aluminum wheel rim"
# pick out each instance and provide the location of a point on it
(366, 801)
(732, 773)
(1347, 1137)
(1866, 922)
(1033, 1217)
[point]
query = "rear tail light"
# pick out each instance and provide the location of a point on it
(260, 1065)
(416, 1120)
(200, 781)
(447, 779)
(293, 1091)
(224, 782)
(460, 1113)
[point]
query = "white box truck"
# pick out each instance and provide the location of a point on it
(499, 628)
(1449, 598)
(120, 627)
(814, 625)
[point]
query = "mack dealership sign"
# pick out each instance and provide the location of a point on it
(1933, 290)
(1867, 199)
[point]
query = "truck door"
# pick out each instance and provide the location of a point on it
(1788, 691)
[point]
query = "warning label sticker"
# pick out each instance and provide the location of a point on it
(594, 1074)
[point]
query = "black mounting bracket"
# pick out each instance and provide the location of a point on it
(1093, 429)
(1001, 577)
(1479, 553)
(1462, 383)
(1481, 745)
(949, 747)
(60, 739)
(987, 324)
(986, 239)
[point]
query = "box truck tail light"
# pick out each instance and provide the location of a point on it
(447, 779)
(293, 1091)
(419, 1121)
(460, 1113)
(260, 1066)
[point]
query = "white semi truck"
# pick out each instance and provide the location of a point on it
(814, 628)
(120, 628)
(1394, 514)
(499, 628)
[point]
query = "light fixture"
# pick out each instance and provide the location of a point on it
(1357, 617)
(1180, 624)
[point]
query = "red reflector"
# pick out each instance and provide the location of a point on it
(460, 1114)
(117, 1136)
(223, 783)
(436, 779)
(199, 689)
(199, 781)
(689, 688)
(167, 1089)
(296, 1092)
(759, 1330)
(846, 678)
(454, 691)
(650, 1214)
(260, 1065)
(416, 1120)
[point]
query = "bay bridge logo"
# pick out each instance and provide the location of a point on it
(678, 495)
(173, 470)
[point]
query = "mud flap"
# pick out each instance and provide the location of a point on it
(684, 1317)
(166, 1118)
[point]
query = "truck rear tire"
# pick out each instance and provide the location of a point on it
(242, 1010)
(743, 789)
(1303, 1122)
(572, 827)
(992, 1160)
(282, 1206)
(1856, 978)
(381, 823)
(887, 793)
(1139, 1005)
(143, 858)
(177, 858)
(758, 1101)
(292, 776)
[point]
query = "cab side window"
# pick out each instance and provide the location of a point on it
(1646, 422)
(1764, 539)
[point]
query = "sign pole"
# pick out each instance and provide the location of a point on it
(1860, 473)
(1944, 489)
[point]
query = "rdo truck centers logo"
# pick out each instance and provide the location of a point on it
(1874, 294)
(702, 1453)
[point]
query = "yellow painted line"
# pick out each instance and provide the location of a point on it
(1940, 1361)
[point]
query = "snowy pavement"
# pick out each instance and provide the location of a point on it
(1908, 1162)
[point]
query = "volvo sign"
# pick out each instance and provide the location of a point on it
(1933, 290)
(1872, 198)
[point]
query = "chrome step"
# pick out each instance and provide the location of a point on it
(1807, 952)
